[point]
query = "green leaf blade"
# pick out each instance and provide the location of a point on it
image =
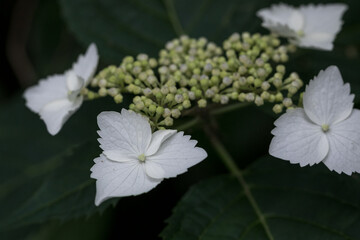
(297, 203)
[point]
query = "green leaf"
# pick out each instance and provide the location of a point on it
(297, 203)
(44, 177)
(131, 27)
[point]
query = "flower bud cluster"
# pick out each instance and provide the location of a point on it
(247, 68)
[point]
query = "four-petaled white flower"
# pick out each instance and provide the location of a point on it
(327, 129)
(57, 97)
(311, 26)
(134, 160)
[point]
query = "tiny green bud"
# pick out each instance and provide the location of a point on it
(242, 97)
(250, 97)
(179, 98)
(277, 108)
(167, 113)
(175, 113)
(257, 82)
(250, 80)
(158, 95)
(259, 101)
(152, 108)
(102, 92)
(91, 95)
(292, 90)
(280, 69)
(159, 110)
(265, 95)
(202, 103)
(265, 86)
(118, 98)
(279, 97)
(139, 105)
(168, 121)
(102, 83)
(191, 95)
(187, 104)
(287, 102)
(113, 92)
(224, 99)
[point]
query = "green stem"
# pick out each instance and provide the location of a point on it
(218, 111)
(231, 165)
(188, 124)
(229, 108)
(170, 8)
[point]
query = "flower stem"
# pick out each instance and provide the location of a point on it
(188, 124)
(232, 167)
(170, 8)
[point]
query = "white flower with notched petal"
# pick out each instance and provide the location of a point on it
(311, 26)
(58, 96)
(327, 129)
(134, 160)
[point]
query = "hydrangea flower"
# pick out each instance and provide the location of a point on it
(311, 26)
(326, 130)
(134, 160)
(57, 97)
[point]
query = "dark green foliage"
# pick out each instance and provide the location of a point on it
(297, 203)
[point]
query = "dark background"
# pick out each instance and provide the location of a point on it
(36, 40)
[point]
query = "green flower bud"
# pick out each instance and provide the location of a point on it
(187, 104)
(168, 121)
(118, 98)
(113, 91)
(242, 97)
(202, 103)
(158, 95)
(179, 98)
(271, 98)
(257, 82)
(250, 97)
(280, 69)
(102, 83)
(159, 110)
(152, 108)
(175, 113)
(128, 79)
(277, 108)
(234, 95)
(279, 97)
(287, 102)
(91, 95)
(265, 95)
(250, 80)
(265, 86)
(224, 99)
(139, 106)
(259, 101)
(102, 92)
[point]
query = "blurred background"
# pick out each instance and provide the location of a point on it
(45, 189)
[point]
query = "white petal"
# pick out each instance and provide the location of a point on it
(157, 139)
(116, 179)
(73, 82)
(176, 154)
(57, 112)
(46, 91)
(154, 170)
(127, 132)
(86, 65)
(344, 139)
(119, 156)
(297, 139)
(327, 99)
(322, 23)
(282, 19)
